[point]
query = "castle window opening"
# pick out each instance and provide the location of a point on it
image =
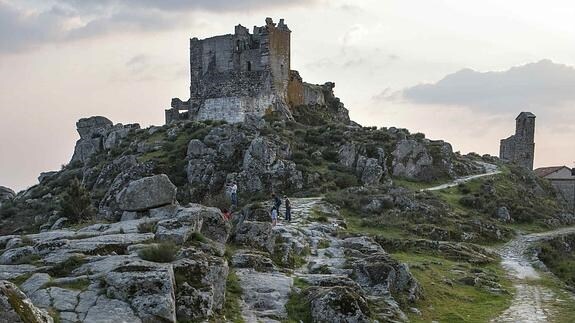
(249, 66)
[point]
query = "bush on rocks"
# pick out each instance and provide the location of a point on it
(161, 252)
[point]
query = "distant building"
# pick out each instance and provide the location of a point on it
(520, 148)
(563, 179)
(240, 75)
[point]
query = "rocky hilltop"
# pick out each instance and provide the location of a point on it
(131, 230)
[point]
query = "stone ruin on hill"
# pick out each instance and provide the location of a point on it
(520, 148)
(234, 77)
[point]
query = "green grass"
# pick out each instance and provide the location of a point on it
(417, 186)
(64, 269)
(457, 303)
(79, 284)
(298, 307)
(563, 305)
(355, 224)
(161, 252)
(232, 311)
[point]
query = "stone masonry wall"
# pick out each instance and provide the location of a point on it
(520, 148)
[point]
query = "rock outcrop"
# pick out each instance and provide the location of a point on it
(6, 194)
(16, 307)
(96, 134)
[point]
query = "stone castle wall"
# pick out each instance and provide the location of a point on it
(245, 74)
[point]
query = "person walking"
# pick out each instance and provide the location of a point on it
(234, 194)
(274, 215)
(277, 201)
(288, 208)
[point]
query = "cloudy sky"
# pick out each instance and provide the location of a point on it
(454, 70)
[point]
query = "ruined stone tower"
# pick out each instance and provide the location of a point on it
(235, 76)
(520, 148)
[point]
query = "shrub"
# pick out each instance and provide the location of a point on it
(197, 236)
(345, 180)
(64, 269)
(161, 252)
(76, 204)
(330, 155)
(146, 227)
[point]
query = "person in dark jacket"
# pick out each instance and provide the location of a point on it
(288, 208)
(277, 201)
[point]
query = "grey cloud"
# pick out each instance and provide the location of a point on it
(179, 5)
(533, 86)
(21, 30)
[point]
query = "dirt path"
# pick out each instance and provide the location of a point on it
(490, 170)
(532, 301)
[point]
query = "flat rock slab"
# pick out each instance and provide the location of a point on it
(265, 295)
(111, 311)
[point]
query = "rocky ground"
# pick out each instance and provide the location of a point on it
(132, 229)
(344, 278)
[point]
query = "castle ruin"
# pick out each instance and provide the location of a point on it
(237, 76)
(520, 148)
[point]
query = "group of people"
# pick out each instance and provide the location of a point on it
(276, 201)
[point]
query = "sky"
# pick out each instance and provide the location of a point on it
(455, 70)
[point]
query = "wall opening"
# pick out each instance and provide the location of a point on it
(249, 66)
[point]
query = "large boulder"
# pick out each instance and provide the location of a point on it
(257, 235)
(16, 307)
(93, 127)
(410, 159)
(147, 193)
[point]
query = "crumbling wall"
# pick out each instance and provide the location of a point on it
(520, 148)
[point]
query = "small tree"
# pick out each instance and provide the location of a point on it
(76, 204)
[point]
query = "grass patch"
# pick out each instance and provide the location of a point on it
(298, 307)
(161, 252)
(562, 306)
(197, 236)
(454, 302)
(355, 224)
(32, 259)
(78, 284)
(323, 244)
(232, 311)
(64, 269)
(147, 227)
(21, 279)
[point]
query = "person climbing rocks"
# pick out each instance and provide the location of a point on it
(274, 215)
(234, 194)
(288, 208)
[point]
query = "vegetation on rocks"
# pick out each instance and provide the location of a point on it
(160, 252)
(76, 204)
(558, 254)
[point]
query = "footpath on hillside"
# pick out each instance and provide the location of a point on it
(533, 301)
